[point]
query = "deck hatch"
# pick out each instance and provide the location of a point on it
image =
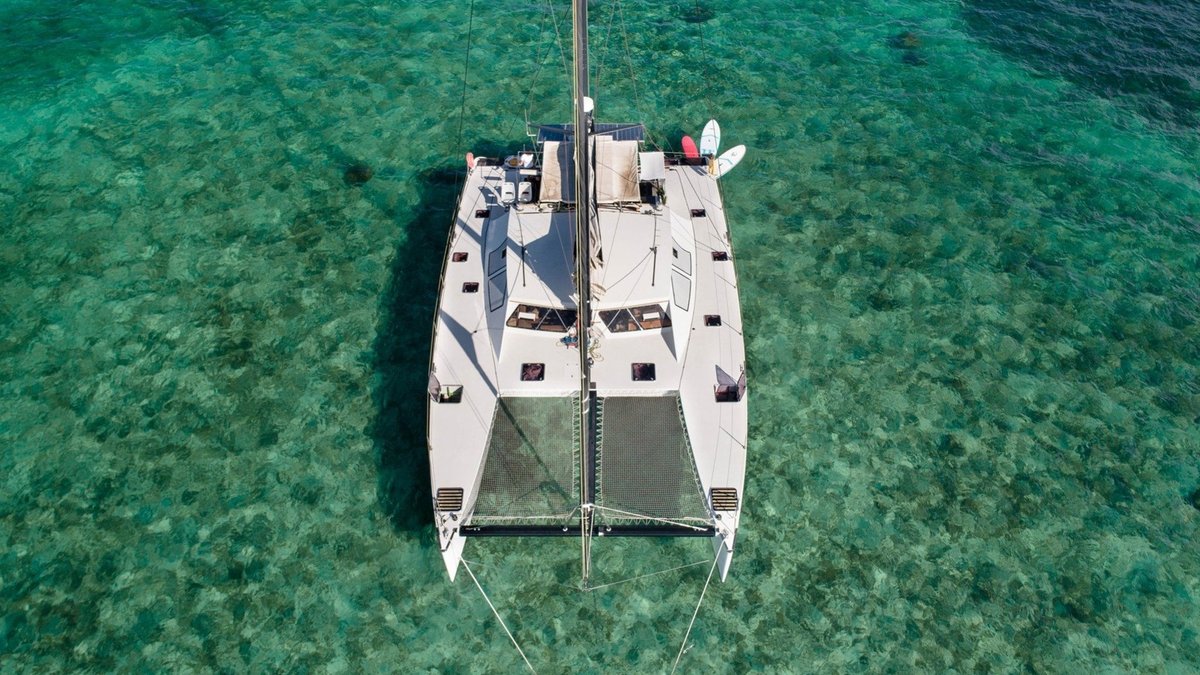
(643, 372)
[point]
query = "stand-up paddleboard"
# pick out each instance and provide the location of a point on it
(730, 159)
(710, 140)
(470, 161)
(689, 148)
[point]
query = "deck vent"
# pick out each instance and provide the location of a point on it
(459, 256)
(533, 372)
(723, 499)
(482, 213)
(699, 213)
(450, 499)
(712, 320)
(720, 256)
(450, 393)
(643, 372)
(471, 287)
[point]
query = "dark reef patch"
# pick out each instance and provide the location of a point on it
(1146, 54)
(906, 40)
(357, 174)
(86, 32)
(698, 13)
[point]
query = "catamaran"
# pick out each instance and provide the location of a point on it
(587, 376)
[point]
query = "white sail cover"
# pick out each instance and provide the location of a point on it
(558, 172)
(616, 170)
(653, 165)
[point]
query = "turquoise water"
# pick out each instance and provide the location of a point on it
(968, 238)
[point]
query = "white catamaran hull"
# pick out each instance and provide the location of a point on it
(507, 263)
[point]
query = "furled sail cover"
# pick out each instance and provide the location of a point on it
(616, 171)
(558, 172)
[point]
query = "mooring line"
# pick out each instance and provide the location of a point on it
(643, 576)
(462, 110)
(505, 626)
(688, 634)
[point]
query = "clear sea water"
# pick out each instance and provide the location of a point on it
(968, 235)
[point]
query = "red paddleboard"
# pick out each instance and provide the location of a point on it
(689, 148)
(470, 161)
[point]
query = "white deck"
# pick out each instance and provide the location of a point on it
(475, 349)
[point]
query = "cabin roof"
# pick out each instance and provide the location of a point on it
(633, 273)
(543, 275)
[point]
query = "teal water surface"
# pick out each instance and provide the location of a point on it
(967, 235)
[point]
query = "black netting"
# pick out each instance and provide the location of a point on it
(531, 472)
(645, 462)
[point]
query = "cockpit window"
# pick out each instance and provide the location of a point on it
(532, 317)
(627, 319)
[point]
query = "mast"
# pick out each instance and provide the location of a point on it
(584, 212)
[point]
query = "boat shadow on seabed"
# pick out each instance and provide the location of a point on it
(401, 360)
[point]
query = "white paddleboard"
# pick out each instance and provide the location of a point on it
(730, 159)
(710, 140)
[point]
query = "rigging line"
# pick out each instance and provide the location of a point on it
(558, 38)
(637, 98)
(566, 516)
(543, 51)
(474, 409)
(607, 45)
(524, 247)
(712, 225)
(643, 576)
(505, 626)
(540, 460)
(694, 614)
(639, 267)
(707, 71)
(642, 516)
(633, 71)
(508, 520)
(462, 107)
(567, 256)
